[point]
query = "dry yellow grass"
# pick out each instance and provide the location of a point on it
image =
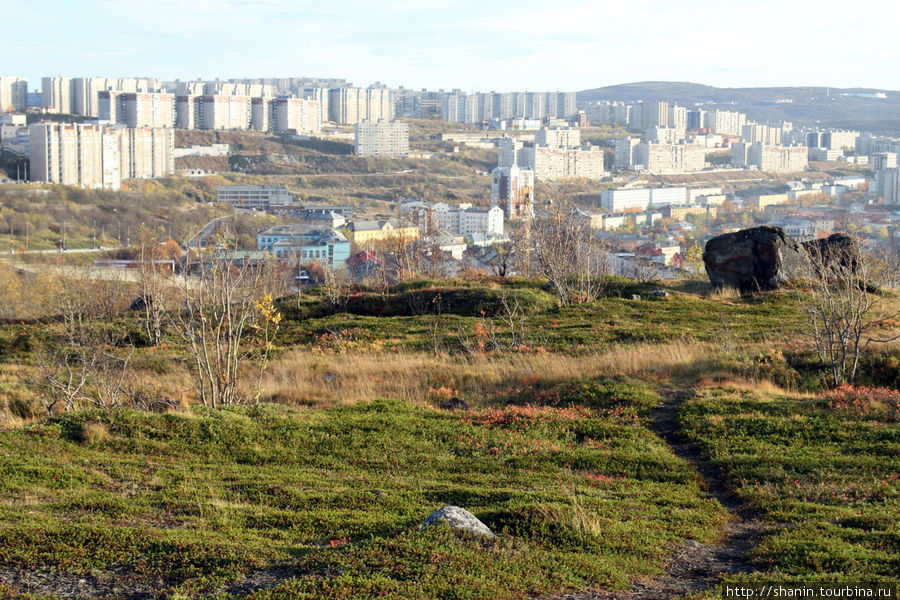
(308, 378)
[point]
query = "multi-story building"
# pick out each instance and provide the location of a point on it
(295, 114)
(140, 109)
(625, 148)
(557, 164)
(455, 219)
(618, 201)
(887, 186)
(654, 114)
(882, 160)
(355, 105)
(97, 156)
(381, 139)
(669, 158)
(512, 187)
(222, 112)
(254, 197)
(57, 94)
(752, 133)
(323, 245)
(13, 94)
(558, 137)
(839, 139)
(783, 159)
(726, 122)
(261, 114)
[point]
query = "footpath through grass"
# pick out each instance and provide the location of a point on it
(330, 500)
(826, 475)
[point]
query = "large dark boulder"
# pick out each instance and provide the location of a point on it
(835, 256)
(754, 259)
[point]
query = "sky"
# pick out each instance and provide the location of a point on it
(497, 45)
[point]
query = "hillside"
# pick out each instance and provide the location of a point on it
(837, 107)
(646, 448)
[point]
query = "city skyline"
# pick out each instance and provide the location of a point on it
(448, 44)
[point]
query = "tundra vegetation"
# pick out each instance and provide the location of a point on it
(309, 477)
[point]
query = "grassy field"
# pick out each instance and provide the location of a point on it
(319, 491)
(196, 502)
(824, 471)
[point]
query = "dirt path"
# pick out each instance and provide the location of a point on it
(694, 566)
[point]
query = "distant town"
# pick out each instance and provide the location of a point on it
(663, 178)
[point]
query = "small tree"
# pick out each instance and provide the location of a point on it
(222, 306)
(845, 314)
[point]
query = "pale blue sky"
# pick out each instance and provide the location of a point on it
(474, 45)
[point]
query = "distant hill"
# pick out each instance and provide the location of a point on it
(835, 107)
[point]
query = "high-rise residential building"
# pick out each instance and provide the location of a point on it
(678, 119)
(382, 139)
(355, 105)
(57, 94)
(97, 156)
(776, 159)
(558, 137)
(13, 94)
(143, 109)
(669, 158)
(697, 119)
(261, 116)
(185, 111)
(726, 122)
(625, 152)
(222, 112)
(882, 160)
(839, 139)
(654, 114)
(887, 186)
(752, 133)
(297, 115)
(560, 164)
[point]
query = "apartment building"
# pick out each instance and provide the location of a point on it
(13, 94)
(726, 122)
(296, 114)
(97, 156)
(669, 158)
(381, 139)
(559, 164)
(354, 105)
(887, 186)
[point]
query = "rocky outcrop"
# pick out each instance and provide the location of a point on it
(834, 256)
(458, 518)
(754, 259)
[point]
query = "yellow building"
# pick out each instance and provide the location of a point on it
(760, 203)
(361, 232)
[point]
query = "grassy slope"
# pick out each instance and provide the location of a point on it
(827, 480)
(188, 502)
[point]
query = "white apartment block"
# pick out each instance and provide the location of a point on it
(96, 156)
(654, 114)
(355, 105)
(669, 158)
(726, 122)
(774, 159)
(554, 164)
(381, 139)
(629, 200)
(222, 112)
(678, 118)
(143, 109)
(13, 94)
(665, 135)
(625, 148)
(460, 219)
(261, 118)
(752, 133)
(298, 115)
(558, 137)
(57, 94)
(887, 186)
(839, 139)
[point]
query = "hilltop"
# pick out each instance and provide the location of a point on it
(838, 107)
